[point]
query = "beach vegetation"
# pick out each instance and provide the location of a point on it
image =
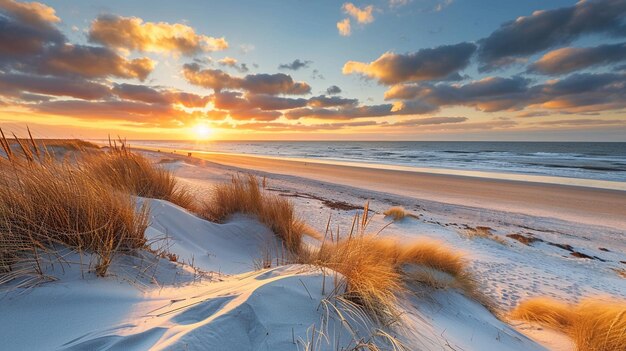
(395, 212)
(593, 324)
(133, 173)
(46, 203)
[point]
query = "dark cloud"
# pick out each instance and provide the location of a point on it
(92, 62)
(330, 101)
(583, 122)
(425, 64)
(271, 102)
(254, 114)
(295, 65)
(139, 93)
(340, 114)
(133, 33)
(352, 112)
(428, 121)
(298, 127)
(151, 95)
(575, 93)
(542, 30)
(30, 43)
(26, 28)
(116, 110)
(13, 84)
(567, 60)
(229, 100)
(232, 63)
(333, 90)
(272, 84)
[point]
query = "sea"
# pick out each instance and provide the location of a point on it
(584, 160)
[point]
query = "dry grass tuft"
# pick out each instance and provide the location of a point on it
(484, 233)
(244, 195)
(396, 212)
(368, 265)
(433, 254)
(135, 174)
(46, 204)
(593, 324)
(375, 269)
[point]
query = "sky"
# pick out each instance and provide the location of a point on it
(315, 70)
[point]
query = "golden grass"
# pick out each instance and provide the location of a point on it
(46, 204)
(68, 144)
(376, 269)
(135, 174)
(593, 324)
(395, 212)
(243, 195)
(368, 265)
(484, 233)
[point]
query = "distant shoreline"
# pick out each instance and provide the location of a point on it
(542, 179)
(603, 207)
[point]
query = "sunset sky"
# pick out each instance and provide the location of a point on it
(370, 70)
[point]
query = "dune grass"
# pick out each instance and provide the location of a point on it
(376, 269)
(484, 233)
(135, 174)
(46, 204)
(371, 266)
(243, 195)
(395, 212)
(593, 324)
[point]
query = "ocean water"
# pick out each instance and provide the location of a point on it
(597, 161)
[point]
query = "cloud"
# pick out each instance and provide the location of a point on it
(333, 90)
(583, 122)
(298, 127)
(295, 65)
(12, 84)
(25, 29)
(272, 84)
(568, 60)
(132, 33)
(545, 29)
(152, 95)
(92, 62)
(271, 102)
(232, 62)
(442, 5)
(330, 101)
(31, 13)
(573, 94)
(344, 27)
(427, 121)
(361, 15)
(111, 110)
(234, 100)
(254, 114)
(349, 111)
(425, 64)
(31, 44)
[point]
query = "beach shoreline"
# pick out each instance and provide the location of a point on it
(592, 206)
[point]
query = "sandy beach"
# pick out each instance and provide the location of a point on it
(593, 206)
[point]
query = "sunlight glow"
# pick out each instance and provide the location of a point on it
(202, 131)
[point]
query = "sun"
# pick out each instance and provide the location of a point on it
(202, 131)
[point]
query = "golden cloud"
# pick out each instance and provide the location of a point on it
(132, 33)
